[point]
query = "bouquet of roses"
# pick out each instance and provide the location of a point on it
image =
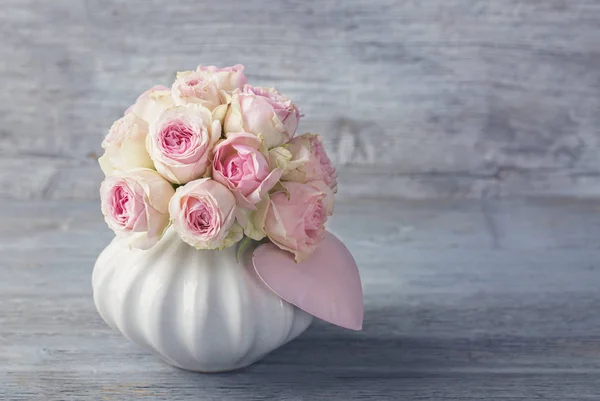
(216, 159)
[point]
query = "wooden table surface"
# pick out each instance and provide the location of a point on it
(494, 300)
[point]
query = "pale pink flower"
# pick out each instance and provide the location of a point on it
(135, 206)
(226, 78)
(295, 218)
(203, 214)
(195, 87)
(264, 112)
(309, 161)
(181, 141)
(240, 164)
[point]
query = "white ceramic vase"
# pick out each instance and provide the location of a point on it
(198, 310)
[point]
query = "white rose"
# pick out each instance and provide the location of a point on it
(125, 145)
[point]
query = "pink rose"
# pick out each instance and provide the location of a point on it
(226, 78)
(203, 213)
(125, 145)
(310, 161)
(264, 112)
(195, 87)
(150, 104)
(181, 141)
(239, 164)
(135, 206)
(295, 218)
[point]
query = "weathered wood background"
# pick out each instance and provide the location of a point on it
(483, 299)
(422, 98)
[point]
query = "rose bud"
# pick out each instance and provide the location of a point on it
(203, 213)
(181, 141)
(135, 206)
(264, 112)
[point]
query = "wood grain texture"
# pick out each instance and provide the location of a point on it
(492, 300)
(443, 98)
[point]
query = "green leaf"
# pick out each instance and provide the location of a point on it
(242, 247)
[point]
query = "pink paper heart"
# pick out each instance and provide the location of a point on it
(326, 284)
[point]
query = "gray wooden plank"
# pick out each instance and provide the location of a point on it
(464, 300)
(438, 97)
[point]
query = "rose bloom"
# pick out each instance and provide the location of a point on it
(226, 78)
(125, 145)
(203, 213)
(195, 87)
(294, 218)
(239, 164)
(135, 206)
(310, 161)
(262, 111)
(181, 141)
(151, 104)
